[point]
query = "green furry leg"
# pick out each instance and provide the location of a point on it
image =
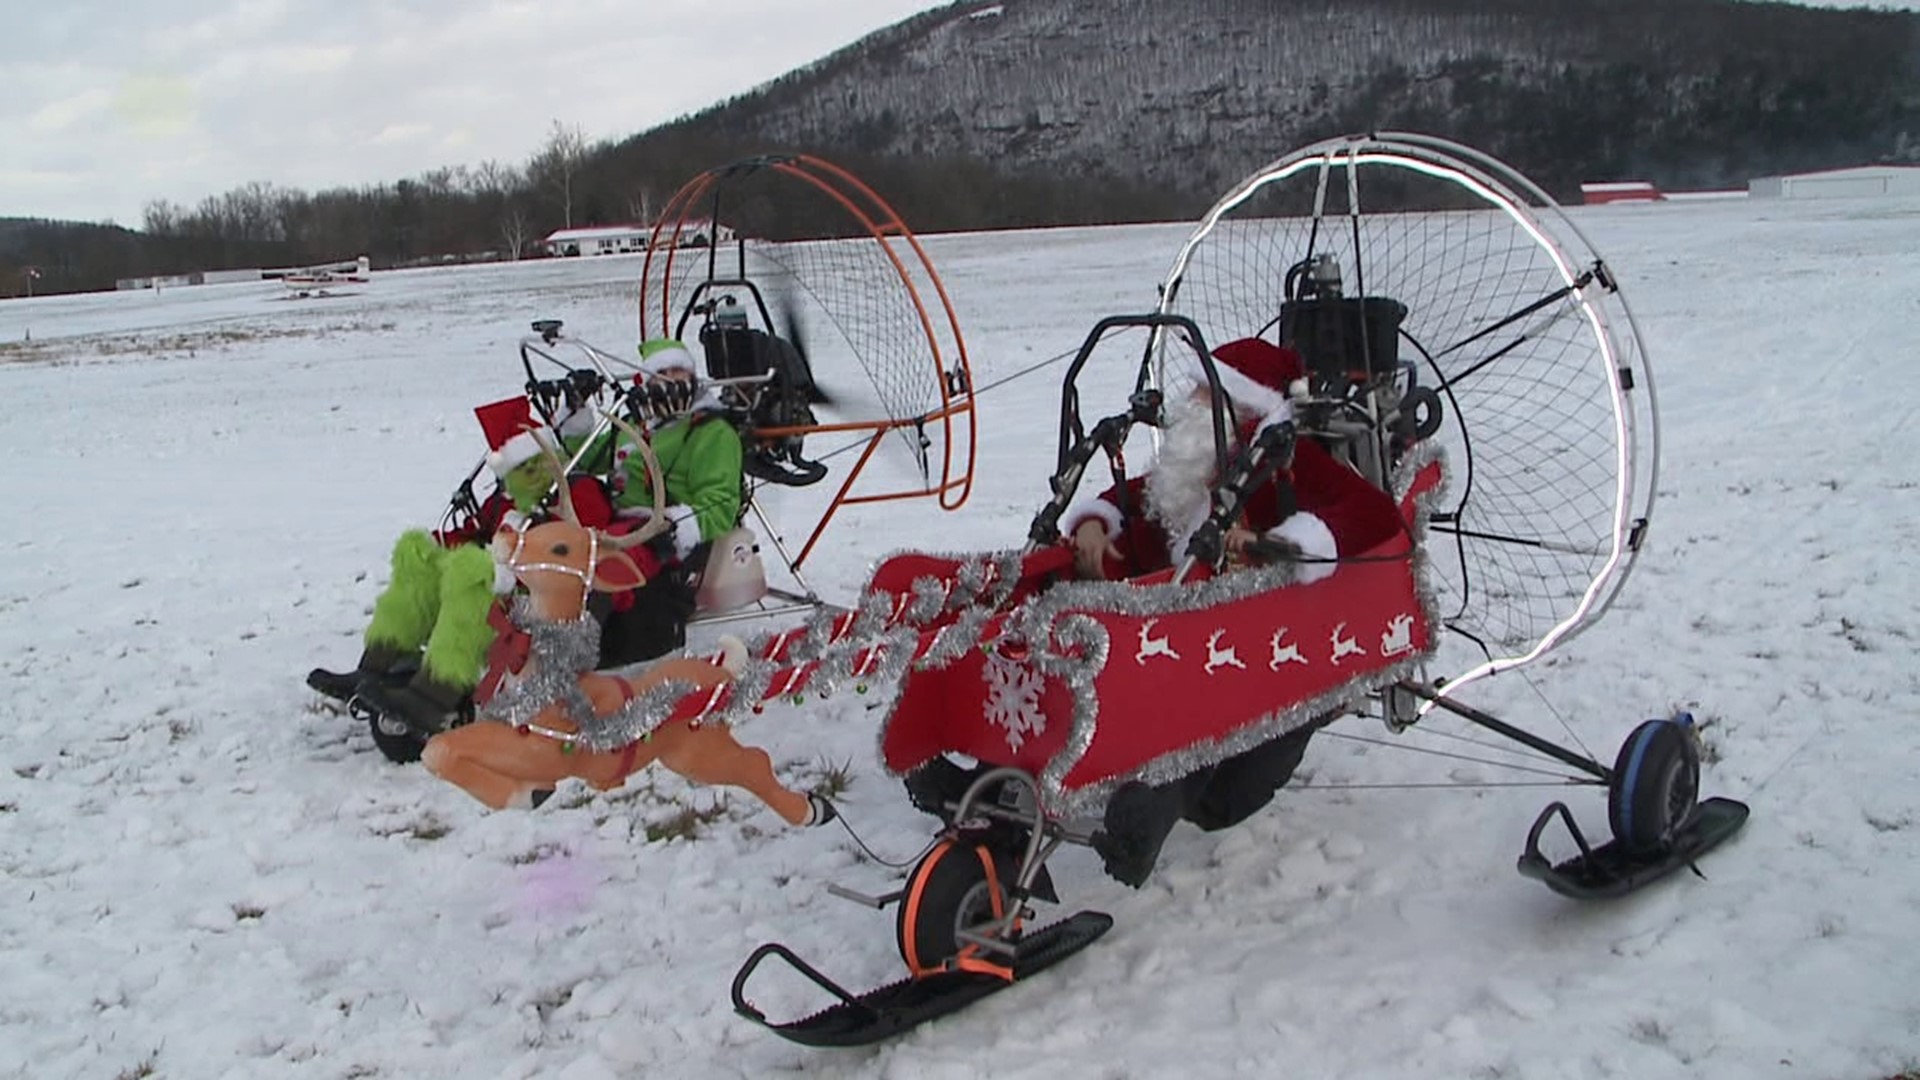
(457, 648)
(404, 614)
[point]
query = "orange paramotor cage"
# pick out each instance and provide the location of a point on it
(923, 287)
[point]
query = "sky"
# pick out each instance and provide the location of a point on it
(105, 106)
(205, 875)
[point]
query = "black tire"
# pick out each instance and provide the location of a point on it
(1656, 784)
(957, 884)
(402, 746)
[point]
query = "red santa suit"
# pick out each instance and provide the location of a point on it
(1334, 511)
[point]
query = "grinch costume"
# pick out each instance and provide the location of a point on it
(432, 618)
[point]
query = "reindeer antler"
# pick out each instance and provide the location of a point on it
(657, 483)
(653, 526)
(559, 475)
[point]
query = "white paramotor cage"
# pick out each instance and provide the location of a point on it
(1548, 411)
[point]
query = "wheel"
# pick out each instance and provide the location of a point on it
(955, 886)
(395, 740)
(1656, 782)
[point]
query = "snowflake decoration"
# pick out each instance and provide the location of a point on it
(1013, 700)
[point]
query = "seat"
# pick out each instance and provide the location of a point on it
(768, 383)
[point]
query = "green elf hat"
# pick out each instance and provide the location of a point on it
(661, 355)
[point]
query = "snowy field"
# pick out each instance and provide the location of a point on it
(207, 876)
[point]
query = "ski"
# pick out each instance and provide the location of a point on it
(1610, 870)
(881, 1013)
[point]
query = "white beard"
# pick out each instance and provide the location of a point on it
(1178, 489)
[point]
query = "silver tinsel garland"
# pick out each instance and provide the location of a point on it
(560, 653)
(1057, 630)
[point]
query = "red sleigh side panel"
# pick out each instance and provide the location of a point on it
(1094, 683)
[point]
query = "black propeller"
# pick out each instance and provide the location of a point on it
(793, 330)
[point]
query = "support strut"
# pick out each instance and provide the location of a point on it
(1500, 727)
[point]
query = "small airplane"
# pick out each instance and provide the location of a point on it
(320, 280)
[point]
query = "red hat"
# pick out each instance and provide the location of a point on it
(1258, 373)
(510, 428)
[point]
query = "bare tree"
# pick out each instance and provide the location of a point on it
(557, 165)
(493, 178)
(514, 229)
(640, 205)
(163, 217)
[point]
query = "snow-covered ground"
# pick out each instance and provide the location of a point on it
(207, 876)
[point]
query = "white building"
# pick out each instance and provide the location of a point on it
(599, 240)
(1867, 180)
(618, 239)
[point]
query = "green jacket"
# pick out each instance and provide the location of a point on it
(700, 460)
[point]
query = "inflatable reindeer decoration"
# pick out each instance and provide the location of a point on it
(544, 716)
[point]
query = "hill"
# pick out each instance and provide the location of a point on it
(1182, 97)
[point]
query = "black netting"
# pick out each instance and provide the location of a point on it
(1531, 426)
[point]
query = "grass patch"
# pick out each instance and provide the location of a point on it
(139, 1071)
(686, 823)
(539, 853)
(429, 828)
(833, 780)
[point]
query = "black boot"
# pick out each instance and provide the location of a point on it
(1136, 824)
(426, 705)
(935, 787)
(1241, 785)
(375, 661)
(340, 686)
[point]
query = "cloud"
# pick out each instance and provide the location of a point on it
(57, 116)
(189, 99)
(401, 134)
(155, 106)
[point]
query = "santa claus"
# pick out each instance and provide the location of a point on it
(1312, 513)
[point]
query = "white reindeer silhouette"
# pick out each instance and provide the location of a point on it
(1218, 658)
(1153, 646)
(1288, 655)
(1344, 646)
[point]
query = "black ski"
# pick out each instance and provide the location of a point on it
(1610, 870)
(887, 1011)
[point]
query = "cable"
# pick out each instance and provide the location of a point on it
(841, 817)
(1460, 757)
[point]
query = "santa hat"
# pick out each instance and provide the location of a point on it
(510, 429)
(661, 355)
(1259, 374)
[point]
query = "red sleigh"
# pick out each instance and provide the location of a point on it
(1086, 685)
(1065, 690)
